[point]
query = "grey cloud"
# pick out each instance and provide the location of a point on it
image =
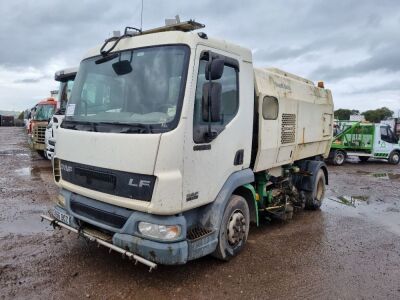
(31, 80)
(392, 85)
(383, 59)
(33, 33)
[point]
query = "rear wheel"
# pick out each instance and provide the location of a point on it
(394, 158)
(314, 199)
(339, 157)
(363, 158)
(234, 229)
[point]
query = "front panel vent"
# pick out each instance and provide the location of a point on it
(288, 130)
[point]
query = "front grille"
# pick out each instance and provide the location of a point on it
(95, 214)
(100, 181)
(113, 182)
(39, 132)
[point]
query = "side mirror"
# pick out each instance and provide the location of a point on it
(214, 90)
(216, 68)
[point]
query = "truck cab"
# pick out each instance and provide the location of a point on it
(66, 78)
(386, 144)
(40, 116)
(172, 143)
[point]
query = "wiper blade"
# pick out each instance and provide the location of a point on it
(130, 128)
(134, 130)
(73, 124)
(95, 126)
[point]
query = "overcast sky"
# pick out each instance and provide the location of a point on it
(354, 46)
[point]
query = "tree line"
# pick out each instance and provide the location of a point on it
(374, 115)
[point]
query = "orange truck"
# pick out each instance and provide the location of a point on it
(41, 115)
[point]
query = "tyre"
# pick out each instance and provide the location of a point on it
(41, 153)
(314, 199)
(363, 158)
(234, 229)
(394, 158)
(339, 157)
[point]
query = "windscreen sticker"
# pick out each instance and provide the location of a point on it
(70, 110)
(171, 111)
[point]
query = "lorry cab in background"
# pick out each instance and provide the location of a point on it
(386, 144)
(66, 78)
(40, 117)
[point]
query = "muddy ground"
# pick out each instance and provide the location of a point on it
(349, 249)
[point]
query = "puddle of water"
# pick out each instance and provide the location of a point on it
(350, 200)
(24, 227)
(384, 214)
(24, 171)
(17, 152)
(34, 172)
(391, 176)
(383, 175)
(363, 172)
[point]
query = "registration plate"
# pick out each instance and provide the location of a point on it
(61, 216)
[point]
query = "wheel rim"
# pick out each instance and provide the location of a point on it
(395, 158)
(339, 158)
(236, 228)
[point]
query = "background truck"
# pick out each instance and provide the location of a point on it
(40, 117)
(364, 140)
(173, 143)
(7, 120)
(66, 78)
(394, 124)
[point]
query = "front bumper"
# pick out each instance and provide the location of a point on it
(93, 238)
(106, 218)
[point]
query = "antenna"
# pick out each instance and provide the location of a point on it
(141, 17)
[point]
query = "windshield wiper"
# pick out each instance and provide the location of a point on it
(95, 126)
(69, 124)
(130, 128)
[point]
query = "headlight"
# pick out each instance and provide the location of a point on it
(162, 232)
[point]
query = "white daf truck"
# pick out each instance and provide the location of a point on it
(66, 78)
(173, 143)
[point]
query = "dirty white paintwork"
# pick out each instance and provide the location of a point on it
(179, 169)
(313, 110)
(205, 172)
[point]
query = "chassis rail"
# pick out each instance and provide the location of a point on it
(91, 238)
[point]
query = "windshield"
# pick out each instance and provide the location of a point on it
(147, 92)
(65, 93)
(44, 112)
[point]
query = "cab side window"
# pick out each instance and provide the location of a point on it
(229, 100)
(385, 135)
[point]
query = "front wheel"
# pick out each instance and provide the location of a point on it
(394, 158)
(314, 198)
(339, 157)
(234, 229)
